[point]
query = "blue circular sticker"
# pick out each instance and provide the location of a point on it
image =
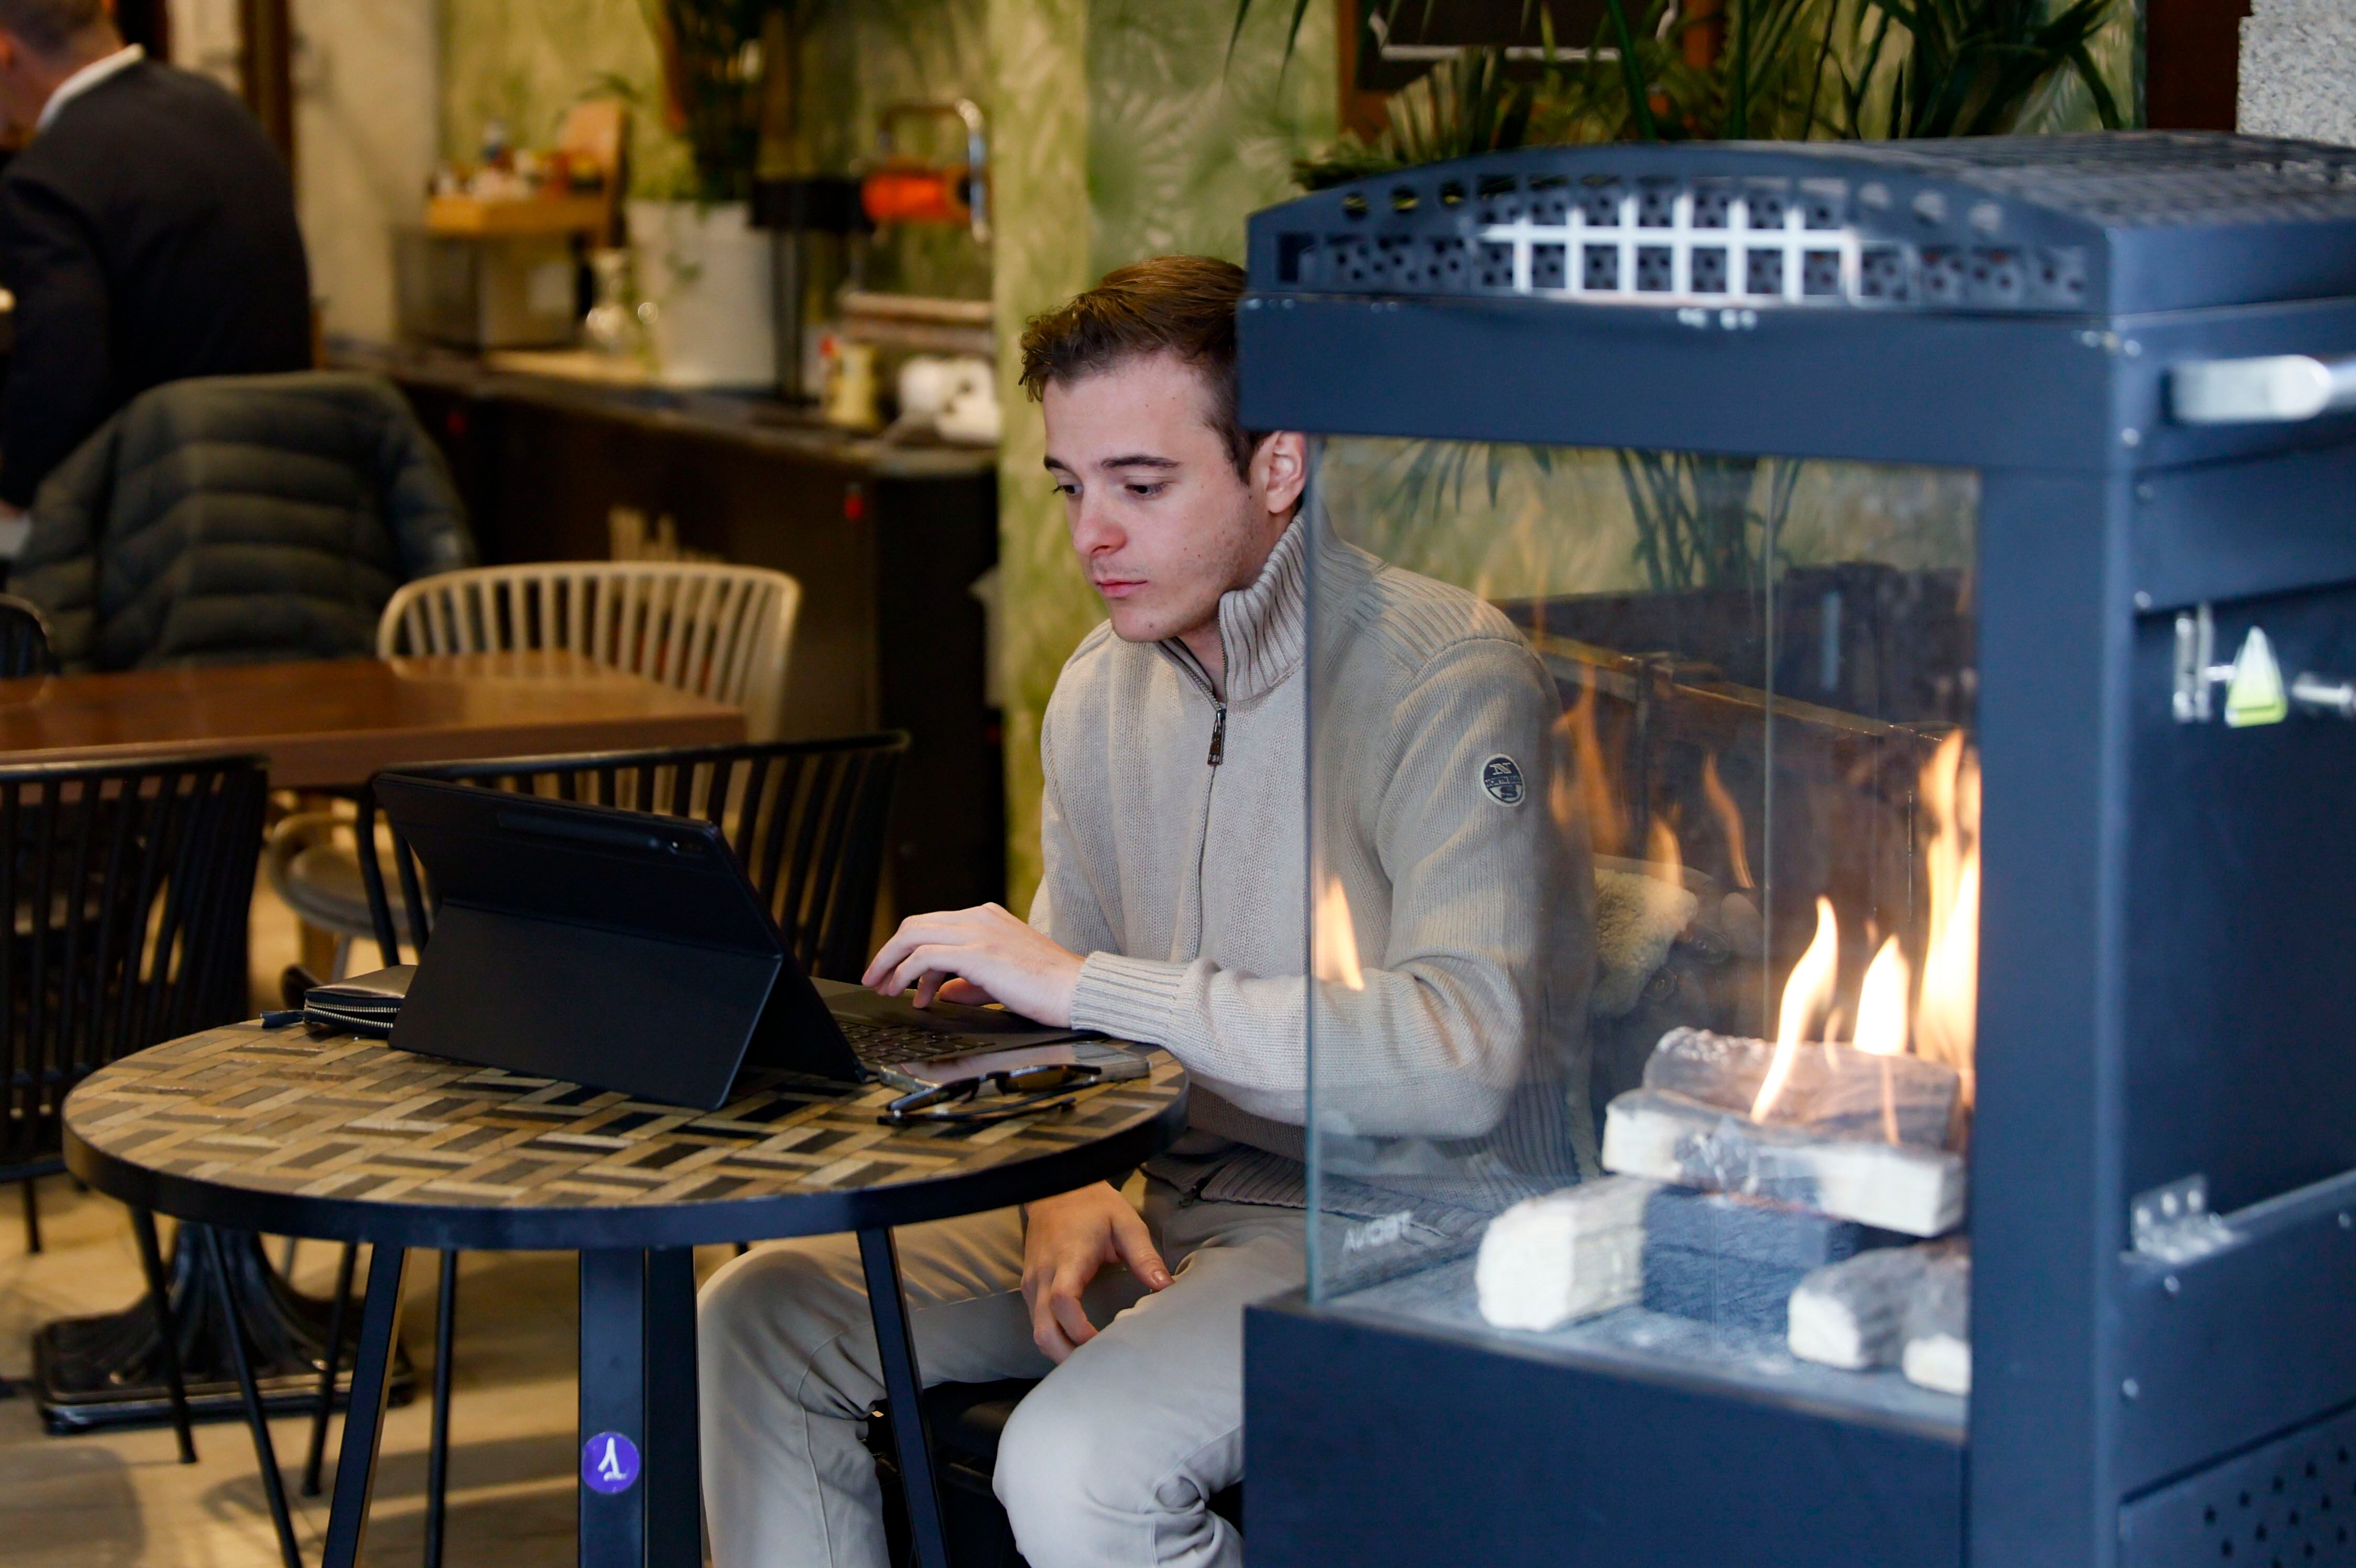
(1500, 776)
(609, 1463)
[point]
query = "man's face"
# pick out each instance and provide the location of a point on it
(1162, 522)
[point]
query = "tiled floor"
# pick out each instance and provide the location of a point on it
(122, 1501)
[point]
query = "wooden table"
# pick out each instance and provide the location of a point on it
(312, 1133)
(331, 722)
(321, 724)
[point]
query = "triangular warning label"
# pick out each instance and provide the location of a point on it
(2254, 696)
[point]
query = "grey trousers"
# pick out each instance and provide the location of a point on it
(1108, 1463)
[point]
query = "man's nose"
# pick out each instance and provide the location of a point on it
(1094, 532)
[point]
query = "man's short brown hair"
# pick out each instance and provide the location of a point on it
(48, 26)
(1170, 304)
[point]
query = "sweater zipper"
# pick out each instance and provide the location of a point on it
(1218, 733)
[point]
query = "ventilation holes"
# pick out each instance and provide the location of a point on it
(1656, 205)
(1766, 208)
(1711, 206)
(1655, 270)
(1883, 273)
(1709, 271)
(1599, 266)
(1600, 201)
(1995, 278)
(1762, 272)
(1820, 272)
(1496, 265)
(1943, 276)
(1354, 205)
(1404, 198)
(1547, 267)
(1451, 194)
(1550, 201)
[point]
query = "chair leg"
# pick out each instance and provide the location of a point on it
(32, 1190)
(167, 1328)
(265, 1452)
(437, 1453)
(317, 1456)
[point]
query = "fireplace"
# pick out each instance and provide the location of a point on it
(1889, 1101)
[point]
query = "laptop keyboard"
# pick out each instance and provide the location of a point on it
(881, 1045)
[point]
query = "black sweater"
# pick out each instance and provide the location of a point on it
(149, 235)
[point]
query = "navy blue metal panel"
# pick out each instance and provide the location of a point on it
(2230, 531)
(2230, 1348)
(1945, 389)
(2238, 989)
(2291, 1500)
(2047, 1210)
(1373, 1447)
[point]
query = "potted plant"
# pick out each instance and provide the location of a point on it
(701, 265)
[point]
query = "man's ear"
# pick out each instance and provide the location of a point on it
(1279, 470)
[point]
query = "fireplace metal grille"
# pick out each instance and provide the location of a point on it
(2289, 1504)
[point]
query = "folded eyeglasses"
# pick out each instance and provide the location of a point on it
(1050, 1086)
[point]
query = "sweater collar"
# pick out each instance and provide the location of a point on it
(1261, 625)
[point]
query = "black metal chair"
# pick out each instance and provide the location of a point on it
(23, 639)
(806, 818)
(128, 887)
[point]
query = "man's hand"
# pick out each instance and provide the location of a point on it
(1066, 1240)
(995, 955)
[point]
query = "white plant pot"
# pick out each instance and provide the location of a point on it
(706, 270)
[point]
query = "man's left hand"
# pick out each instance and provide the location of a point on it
(988, 949)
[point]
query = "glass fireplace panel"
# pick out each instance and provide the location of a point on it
(1608, 744)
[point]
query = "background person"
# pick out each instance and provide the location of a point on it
(147, 232)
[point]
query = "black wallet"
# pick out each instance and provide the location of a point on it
(365, 1003)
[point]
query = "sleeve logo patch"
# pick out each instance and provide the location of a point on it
(1500, 776)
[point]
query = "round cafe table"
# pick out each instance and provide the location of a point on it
(304, 1134)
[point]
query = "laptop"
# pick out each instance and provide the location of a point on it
(630, 951)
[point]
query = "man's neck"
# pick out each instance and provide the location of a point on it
(1203, 643)
(84, 51)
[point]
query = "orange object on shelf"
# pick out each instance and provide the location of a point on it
(915, 193)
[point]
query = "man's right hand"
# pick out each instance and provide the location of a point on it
(1066, 1240)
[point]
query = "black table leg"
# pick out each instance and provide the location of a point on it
(437, 1447)
(639, 1505)
(674, 1464)
(327, 1368)
(265, 1454)
(159, 1291)
(904, 1385)
(612, 1409)
(364, 1414)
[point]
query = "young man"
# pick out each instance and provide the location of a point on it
(1174, 910)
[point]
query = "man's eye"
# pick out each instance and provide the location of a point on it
(1068, 489)
(1152, 489)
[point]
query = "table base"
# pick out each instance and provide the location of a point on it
(108, 1370)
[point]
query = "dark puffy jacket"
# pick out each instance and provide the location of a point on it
(234, 519)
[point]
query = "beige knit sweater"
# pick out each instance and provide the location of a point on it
(1173, 832)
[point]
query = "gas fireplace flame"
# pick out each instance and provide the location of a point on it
(1882, 1004)
(1806, 994)
(1590, 795)
(1729, 818)
(1662, 858)
(1337, 939)
(1945, 1016)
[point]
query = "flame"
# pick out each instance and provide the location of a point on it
(1729, 817)
(1337, 939)
(1882, 1004)
(1805, 995)
(1590, 779)
(1945, 1014)
(1661, 856)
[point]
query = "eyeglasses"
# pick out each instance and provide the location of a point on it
(1029, 1087)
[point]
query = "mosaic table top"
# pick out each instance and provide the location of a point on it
(299, 1133)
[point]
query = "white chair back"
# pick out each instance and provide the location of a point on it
(723, 632)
